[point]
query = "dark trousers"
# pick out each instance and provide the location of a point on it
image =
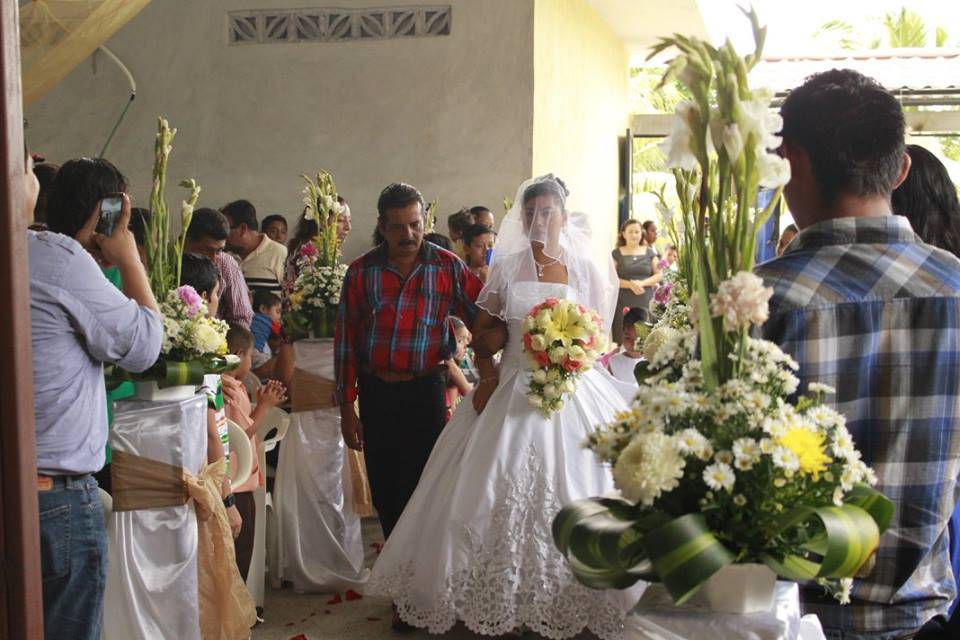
(401, 422)
(243, 544)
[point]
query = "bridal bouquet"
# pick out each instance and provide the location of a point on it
(315, 294)
(719, 461)
(562, 340)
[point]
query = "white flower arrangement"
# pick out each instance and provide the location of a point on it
(562, 340)
(188, 331)
(315, 293)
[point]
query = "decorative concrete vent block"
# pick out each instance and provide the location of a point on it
(331, 24)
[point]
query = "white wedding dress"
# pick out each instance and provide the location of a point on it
(474, 543)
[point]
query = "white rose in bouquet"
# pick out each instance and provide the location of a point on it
(538, 343)
(540, 376)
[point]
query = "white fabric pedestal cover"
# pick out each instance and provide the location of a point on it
(321, 549)
(152, 581)
(657, 618)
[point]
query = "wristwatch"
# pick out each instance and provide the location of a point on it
(230, 501)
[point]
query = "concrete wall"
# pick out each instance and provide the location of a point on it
(580, 108)
(452, 115)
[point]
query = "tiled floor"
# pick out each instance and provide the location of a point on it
(288, 615)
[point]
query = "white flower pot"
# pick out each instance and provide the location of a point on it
(150, 390)
(740, 588)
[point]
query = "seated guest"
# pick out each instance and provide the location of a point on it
(200, 273)
(440, 240)
(456, 224)
(79, 321)
(207, 236)
(670, 259)
(786, 237)
(461, 372)
(623, 363)
(275, 227)
(265, 325)
(865, 306)
(239, 410)
(482, 215)
(45, 173)
(478, 241)
(261, 259)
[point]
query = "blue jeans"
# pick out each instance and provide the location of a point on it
(73, 555)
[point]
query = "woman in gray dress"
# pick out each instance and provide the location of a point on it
(638, 269)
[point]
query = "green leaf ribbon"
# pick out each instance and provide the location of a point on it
(170, 373)
(611, 544)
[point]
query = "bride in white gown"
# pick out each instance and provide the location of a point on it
(474, 542)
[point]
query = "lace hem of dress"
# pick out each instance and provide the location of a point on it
(514, 576)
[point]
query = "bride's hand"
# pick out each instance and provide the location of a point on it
(481, 395)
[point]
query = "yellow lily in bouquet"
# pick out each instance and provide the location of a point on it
(720, 461)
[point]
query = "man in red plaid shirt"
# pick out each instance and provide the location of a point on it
(393, 339)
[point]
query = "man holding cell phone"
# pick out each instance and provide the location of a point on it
(79, 321)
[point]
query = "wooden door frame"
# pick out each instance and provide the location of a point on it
(21, 604)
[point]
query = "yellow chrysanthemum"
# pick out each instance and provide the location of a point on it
(808, 446)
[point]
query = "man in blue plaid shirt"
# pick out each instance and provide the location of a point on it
(866, 307)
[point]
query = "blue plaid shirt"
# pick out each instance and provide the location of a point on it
(864, 306)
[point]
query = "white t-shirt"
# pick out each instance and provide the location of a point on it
(263, 268)
(622, 366)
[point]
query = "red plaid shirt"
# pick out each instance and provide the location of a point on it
(390, 323)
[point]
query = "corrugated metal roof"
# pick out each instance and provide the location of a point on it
(915, 71)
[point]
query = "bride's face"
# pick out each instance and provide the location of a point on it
(543, 218)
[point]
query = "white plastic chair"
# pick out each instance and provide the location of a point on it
(265, 552)
(241, 454)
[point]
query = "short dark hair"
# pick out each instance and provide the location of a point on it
(139, 220)
(45, 173)
(790, 228)
(199, 272)
(239, 338)
(635, 315)
(273, 217)
(208, 223)
(241, 212)
(264, 298)
(457, 222)
(478, 209)
(397, 196)
(77, 187)
(474, 231)
(438, 239)
(928, 199)
(851, 128)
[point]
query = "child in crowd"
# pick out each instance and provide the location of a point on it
(622, 363)
(478, 241)
(461, 373)
(265, 325)
(670, 259)
(240, 411)
(456, 224)
(200, 273)
(275, 228)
